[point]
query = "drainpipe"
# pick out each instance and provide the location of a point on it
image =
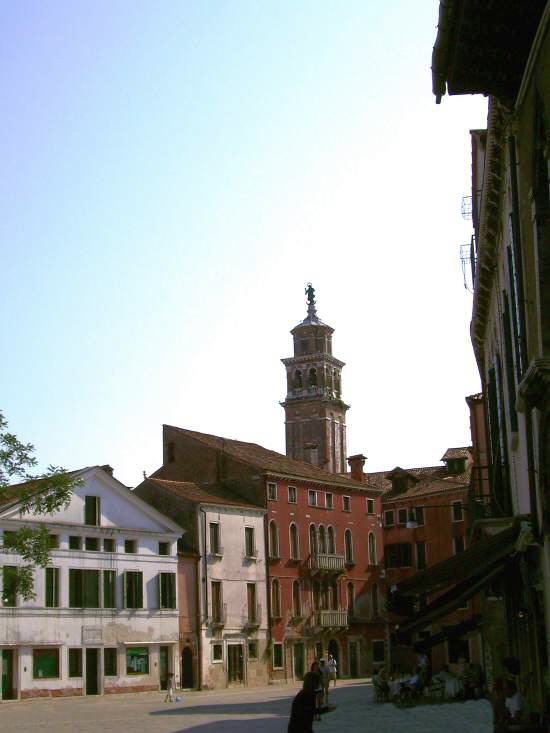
(202, 594)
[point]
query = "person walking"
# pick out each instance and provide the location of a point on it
(170, 688)
(314, 669)
(333, 668)
(304, 707)
(325, 677)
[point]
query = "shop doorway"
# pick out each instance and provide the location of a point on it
(187, 682)
(353, 647)
(92, 669)
(235, 665)
(163, 667)
(8, 688)
(299, 660)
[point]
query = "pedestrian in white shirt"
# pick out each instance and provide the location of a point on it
(333, 668)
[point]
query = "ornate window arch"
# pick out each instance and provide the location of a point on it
(331, 541)
(298, 379)
(348, 546)
(322, 540)
(313, 377)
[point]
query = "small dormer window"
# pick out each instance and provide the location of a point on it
(455, 466)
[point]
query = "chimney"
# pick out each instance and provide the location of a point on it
(108, 469)
(356, 464)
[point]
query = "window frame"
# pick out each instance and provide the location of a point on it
(273, 544)
(109, 587)
(454, 506)
(293, 544)
(92, 510)
(217, 645)
(311, 497)
(74, 659)
(388, 512)
(349, 555)
(292, 495)
(402, 516)
(271, 491)
(369, 506)
(250, 550)
(9, 594)
(279, 648)
(84, 588)
(107, 666)
(346, 503)
(146, 654)
(167, 590)
(137, 590)
(215, 539)
(38, 652)
(51, 587)
(329, 500)
(372, 550)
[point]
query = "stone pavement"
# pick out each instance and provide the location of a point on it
(263, 710)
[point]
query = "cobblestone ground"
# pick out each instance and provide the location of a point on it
(262, 710)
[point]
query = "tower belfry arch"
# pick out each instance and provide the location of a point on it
(315, 414)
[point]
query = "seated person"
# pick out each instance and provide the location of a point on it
(512, 702)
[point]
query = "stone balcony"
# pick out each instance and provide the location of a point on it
(325, 563)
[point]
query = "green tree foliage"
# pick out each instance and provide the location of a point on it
(40, 494)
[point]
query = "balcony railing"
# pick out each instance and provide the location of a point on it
(254, 617)
(331, 619)
(325, 563)
(219, 616)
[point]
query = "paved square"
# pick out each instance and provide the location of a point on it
(262, 710)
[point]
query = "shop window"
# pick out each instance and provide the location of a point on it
(277, 656)
(75, 662)
(45, 663)
(137, 660)
(110, 662)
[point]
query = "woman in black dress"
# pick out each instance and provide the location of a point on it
(304, 706)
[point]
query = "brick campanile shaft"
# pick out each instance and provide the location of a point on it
(315, 414)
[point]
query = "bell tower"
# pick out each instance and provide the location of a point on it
(315, 414)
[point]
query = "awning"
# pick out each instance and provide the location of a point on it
(477, 559)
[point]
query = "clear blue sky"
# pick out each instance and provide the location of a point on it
(174, 173)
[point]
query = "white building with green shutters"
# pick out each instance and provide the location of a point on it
(104, 618)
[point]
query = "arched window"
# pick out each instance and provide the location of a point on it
(294, 543)
(331, 543)
(316, 591)
(372, 549)
(333, 596)
(275, 598)
(273, 539)
(348, 547)
(297, 379)
(322, 540)
(325, 595)
(374, 600)
(296, 599)
(351, 598)
(312, 540)
(313, 377)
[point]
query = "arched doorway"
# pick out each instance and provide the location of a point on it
(187, 682)
(333, 649)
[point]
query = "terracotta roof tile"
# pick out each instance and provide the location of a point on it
(200, 495)
(451, 453)
(272, 462)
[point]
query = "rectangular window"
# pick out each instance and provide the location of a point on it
(217, 652)
(346, 503)
(251, 602)
(312, 498)
(249, 542)
(109, 545)
(378, 651)
(277, 656)
(420, 555)
(53, 541)
(75, 543)
(9, 584)
(109, 589)
(370, 506)
(457, 511)
(402, 516)
(215, 547)
(109, 662)
(253, 650)
(45, 663)
(133, 589)
(458, 544)
(167, 590)
(419, 515)
(398, 555)
(52, 587)
(137, 660)
(272, 492)
(388, 518)
(83, 588)
(164, 548)
(216, 589)
(130, 546)
(75, 662)
(329, 501)
(92, 511)
(292, 495)
(91, 544)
